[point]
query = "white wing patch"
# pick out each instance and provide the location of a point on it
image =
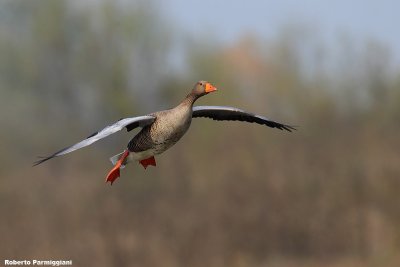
(113, 128)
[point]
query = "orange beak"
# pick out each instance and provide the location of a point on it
(210, 88)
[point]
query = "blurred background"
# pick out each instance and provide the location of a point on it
(229, 194)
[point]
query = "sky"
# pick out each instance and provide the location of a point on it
(229, 20)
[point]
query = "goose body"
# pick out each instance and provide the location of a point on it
(162, 129)
(167, 129)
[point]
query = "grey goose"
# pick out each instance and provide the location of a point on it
(162, 129)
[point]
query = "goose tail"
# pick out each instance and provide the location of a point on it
(116, 158)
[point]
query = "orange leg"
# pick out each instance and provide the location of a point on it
(114, 173)
(147, 162)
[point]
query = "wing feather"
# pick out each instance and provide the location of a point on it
(222, 113)
(129, 123)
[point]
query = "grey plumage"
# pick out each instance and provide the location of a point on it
(113, 128)
(222, 113)
(161, 130)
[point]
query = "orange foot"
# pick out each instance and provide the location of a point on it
(114, 173)
(147, 162)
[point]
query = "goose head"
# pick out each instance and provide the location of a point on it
(202, 88)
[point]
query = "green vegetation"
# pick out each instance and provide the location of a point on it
(229, 194)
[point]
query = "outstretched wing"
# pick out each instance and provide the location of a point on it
(221, 113)
(129, 123)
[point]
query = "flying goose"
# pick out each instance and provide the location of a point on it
(162, 129)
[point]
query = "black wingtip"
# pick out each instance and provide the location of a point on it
(288, 128)
(43, 159)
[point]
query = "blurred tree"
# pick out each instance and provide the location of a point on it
(234, 194)
(98, 58)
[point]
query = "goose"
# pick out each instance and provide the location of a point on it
(161, 130)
